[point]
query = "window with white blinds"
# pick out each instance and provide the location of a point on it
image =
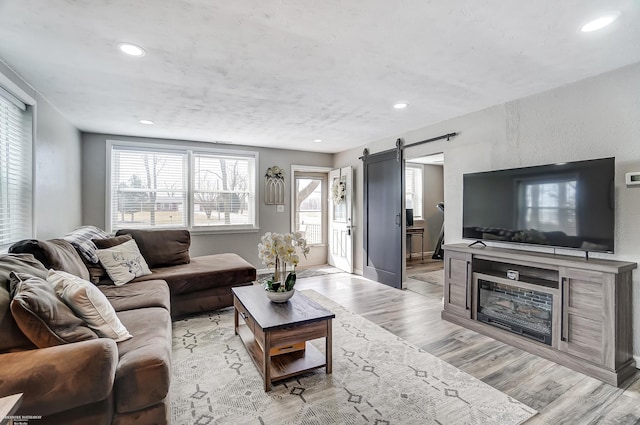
(16, 183)
(413, 188)
(223, 190)
(200, 190)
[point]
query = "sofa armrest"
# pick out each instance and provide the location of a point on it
(59, 378)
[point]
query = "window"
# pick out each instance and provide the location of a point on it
(310, 206)
(16, 199)
(223, 190)
(413, 188)
(197, 189)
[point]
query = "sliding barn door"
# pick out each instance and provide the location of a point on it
(382, 217)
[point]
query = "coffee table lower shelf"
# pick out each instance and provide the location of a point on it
(283, 365)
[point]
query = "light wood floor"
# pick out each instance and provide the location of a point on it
(560, 395)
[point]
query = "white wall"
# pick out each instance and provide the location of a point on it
(57, 165)
(243, 244)
(594, 118)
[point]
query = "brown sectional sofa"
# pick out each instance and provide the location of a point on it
(100, 381)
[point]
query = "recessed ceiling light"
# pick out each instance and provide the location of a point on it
(132, 49)
(400, 105)
(146, 122)
(318, 140)
(600, 23)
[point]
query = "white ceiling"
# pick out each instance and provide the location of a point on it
(283, 73)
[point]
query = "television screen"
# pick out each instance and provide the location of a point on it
(568, 205)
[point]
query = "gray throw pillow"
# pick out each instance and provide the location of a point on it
(11, 337)
(42, 316)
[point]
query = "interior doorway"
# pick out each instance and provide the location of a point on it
(424, 212)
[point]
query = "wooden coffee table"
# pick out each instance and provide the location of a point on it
(277, 335)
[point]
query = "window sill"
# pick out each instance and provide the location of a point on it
(223, 231)
(198, 230)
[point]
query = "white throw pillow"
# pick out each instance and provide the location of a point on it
(88, 303)
(123, 262)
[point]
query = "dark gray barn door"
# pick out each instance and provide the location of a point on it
(382, 217)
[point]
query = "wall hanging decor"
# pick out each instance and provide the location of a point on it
(338, 191)
(274, 186)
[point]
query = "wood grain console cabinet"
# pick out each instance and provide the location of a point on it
(570, 310)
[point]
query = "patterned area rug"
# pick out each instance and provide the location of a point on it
(377, 378)
(435, 277)
(310, 272)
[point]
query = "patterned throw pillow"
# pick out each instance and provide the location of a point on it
(97, 274)
(123, 262)
(90, 304)
(81, 237)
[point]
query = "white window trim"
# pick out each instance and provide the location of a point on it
(190, 151)
(421, 168)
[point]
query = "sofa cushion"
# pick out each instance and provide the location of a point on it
(97, 273)
(11, 337)
(42, 316)
(55, 254)
(111, 242)
(89, 304)
(144, 369)
(123, 262)
(82, 240)
(204, 273)
(133, 295)
(162, 247)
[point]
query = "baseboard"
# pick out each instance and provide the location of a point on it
(427, 254)
(637, 359)
(358, 272)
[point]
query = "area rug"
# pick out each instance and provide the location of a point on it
(310, 272)
(435, 277)
(377, 378)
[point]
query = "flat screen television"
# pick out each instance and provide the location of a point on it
(565, 205)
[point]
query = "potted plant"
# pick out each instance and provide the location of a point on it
(279, 250)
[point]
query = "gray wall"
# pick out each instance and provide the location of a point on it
(245, 244)
(57, 164)
(593, 118)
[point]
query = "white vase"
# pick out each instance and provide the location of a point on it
(280, 297)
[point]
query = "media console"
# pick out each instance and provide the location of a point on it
(570, 310)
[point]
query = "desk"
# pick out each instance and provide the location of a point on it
(415, 231)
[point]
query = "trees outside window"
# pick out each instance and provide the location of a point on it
(181, 188)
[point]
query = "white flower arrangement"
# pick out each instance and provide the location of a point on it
(338, 192)
(275, 172)
(278, 250)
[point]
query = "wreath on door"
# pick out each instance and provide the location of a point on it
(338, 192)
